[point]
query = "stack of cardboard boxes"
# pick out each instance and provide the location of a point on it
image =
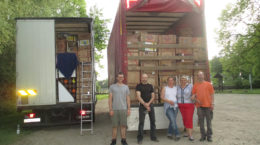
(158, 78)
(78, 43)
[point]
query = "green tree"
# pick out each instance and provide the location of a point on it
(102, 85)
(240, 37)
(101, 32)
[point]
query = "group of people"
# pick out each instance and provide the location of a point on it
(184, 97)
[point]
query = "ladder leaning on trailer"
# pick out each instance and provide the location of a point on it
(86, 96)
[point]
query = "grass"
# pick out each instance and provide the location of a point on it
(240, 91)
(8, 123)
(102, 96)
(8, 130)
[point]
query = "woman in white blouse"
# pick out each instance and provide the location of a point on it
(169, 96)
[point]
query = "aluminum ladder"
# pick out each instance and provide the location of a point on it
(86, 96)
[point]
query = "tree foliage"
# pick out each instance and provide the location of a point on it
(240, 37)
(101, 32)
(101, 85)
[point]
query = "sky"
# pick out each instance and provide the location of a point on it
(212, 12)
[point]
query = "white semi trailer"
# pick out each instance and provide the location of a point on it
(55, 79)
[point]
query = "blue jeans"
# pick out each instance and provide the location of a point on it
(171, 114)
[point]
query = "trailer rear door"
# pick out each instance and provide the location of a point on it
(35, 60)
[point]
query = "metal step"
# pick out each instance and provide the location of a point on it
(87, 64)
(86, 71)
(86, 129)
(85, 86)
(86, 120)
(86, 94)
(86, 103)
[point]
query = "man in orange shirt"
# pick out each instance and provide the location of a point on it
(203, 94)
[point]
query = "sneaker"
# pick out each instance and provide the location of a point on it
(177, 137)
(202, 139)
(191, 138)
(155, 140)
(169, 137)
(123, 141)
(209, 139)
(113, 142)
(140, 141)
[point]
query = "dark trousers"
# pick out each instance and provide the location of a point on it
(205, 112)
(142, 113)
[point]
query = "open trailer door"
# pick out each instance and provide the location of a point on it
(35, 61)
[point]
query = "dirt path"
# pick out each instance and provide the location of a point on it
(236, 122)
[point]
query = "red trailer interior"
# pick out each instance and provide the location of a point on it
(159, 37)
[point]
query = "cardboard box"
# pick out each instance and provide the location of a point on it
(86, 59)
(187, 31)
(167, 39)
(147, 53)
(72, 50)
(167, 73)
(133, 52)
(148, 63)
(84, 47)
(185, 61)
(200, 54)
(184, 72)
(133, 39)
(84, 36)
(167, 52)
(133, 77)
(145, 37)
(61, 46)
(166, 62)
(185, 40)
(198, 41)
(132, 94)
(183, 52)
(84, 53)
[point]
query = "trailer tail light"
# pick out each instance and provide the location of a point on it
(83, 112)
(31, 118)
(129, 3)
(32, 115)
(198, 2)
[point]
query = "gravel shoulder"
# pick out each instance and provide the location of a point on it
(236, 122)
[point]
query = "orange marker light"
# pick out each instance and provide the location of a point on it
(66, 81)
(22, 93)
(32, 92)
